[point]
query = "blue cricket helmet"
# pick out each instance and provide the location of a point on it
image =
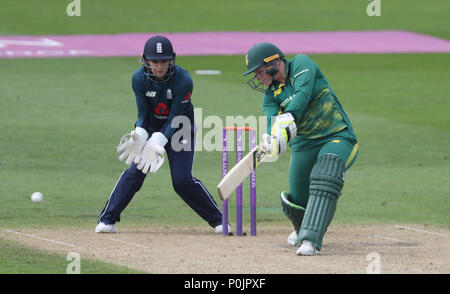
(158, 48)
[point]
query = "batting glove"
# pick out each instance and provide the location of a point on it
(153, 153)
(284, 129)
(131, 145)
(271, 147)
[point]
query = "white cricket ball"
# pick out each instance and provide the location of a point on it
(37, 197)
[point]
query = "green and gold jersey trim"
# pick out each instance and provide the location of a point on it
(352, 156)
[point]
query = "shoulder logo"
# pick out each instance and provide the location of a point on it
(297, 74)
(151, 94)
(187, 98)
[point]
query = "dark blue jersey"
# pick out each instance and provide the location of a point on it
(159, 102)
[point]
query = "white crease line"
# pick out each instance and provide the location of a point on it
(40, 238)
(129, 243)
(421, 231)
(389, 238)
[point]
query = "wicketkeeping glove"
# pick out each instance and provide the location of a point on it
(284, 129)
(153, 153)
(131, 145)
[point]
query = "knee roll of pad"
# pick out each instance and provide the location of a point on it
(327, 175)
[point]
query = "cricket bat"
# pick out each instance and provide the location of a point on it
(240, 172)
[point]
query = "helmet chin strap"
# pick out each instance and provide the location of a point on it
(271, 69)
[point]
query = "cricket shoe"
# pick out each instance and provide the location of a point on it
(292, 239)
(104, 228)
(219, 229)
(307, 248)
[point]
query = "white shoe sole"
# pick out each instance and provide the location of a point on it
(307, 249)
(307, 253)
(292, 238)
(219, 229)
(102, 228)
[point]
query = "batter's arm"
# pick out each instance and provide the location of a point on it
(303, 77)
(271, 110)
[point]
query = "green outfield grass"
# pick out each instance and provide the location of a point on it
(32, 261)
(62, 118)
(115, 16)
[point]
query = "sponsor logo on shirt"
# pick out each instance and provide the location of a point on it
(285, 103)
(187, 98)
(161, 111)
(151, 94)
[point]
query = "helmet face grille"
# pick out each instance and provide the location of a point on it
(256, 85)
(148, 73)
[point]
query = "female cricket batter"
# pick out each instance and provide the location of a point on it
(163, 96)
(302, 110)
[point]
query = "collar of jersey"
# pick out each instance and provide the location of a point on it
(276, 86)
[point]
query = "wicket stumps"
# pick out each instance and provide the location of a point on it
(239, 149)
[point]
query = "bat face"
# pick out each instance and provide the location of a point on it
(240, 172)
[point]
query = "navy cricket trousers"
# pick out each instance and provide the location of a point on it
(190, 189)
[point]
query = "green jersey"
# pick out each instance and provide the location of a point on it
(307, 95)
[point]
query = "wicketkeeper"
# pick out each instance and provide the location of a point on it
(303, 112)
(163, 94)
